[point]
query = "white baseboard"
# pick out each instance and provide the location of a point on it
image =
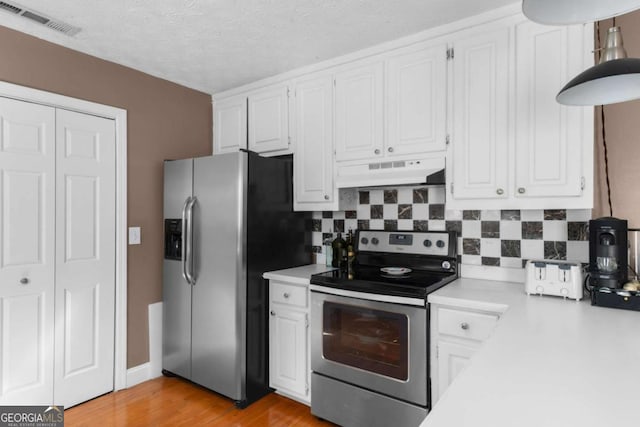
(153, 368)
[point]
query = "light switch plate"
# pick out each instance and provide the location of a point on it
(134, 236)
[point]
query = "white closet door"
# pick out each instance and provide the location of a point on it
(85, 257)
(27, 203)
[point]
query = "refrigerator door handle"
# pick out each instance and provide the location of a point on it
(189, 248)
(184, 256)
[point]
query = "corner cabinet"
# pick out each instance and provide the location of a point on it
(456, 334)
(229, 124)
(289, 367)
(512, 145)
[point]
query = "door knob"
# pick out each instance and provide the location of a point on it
(273, 313)
(24, 281)
(377, 151)
(521, 190)
(499, 191)
(326, 197)
(286, 295)
(464, 325)
(390, 149)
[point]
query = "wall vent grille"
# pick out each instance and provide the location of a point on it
(39, 18)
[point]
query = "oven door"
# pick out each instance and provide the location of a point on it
(376, 345)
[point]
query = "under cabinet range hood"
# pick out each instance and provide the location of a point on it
(390, 172)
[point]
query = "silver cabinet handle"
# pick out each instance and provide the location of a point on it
(183, 256)
(376, 151)
(499, 191)
(286, 295)
(521, 190)
(24, 281)
(390, 149)
(326, 197)
(464, 325)
(189, 249)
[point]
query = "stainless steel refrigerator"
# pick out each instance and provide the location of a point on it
(228, 219)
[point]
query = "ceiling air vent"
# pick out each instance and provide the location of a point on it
(39, 18)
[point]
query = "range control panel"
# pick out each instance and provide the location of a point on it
(434, 243)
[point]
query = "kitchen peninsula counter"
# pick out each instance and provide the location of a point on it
(549, 362)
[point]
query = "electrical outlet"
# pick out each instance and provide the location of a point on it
(134, 236)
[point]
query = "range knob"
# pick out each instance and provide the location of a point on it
(375, 241)
(440, 243)
(364, 241)
(427, 243)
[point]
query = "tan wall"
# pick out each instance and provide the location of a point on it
(165, 121)
(622, 127)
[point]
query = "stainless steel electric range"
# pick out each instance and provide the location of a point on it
(369, 328)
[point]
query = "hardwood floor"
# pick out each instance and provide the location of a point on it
(175, 402)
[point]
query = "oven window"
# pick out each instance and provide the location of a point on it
(373, 340)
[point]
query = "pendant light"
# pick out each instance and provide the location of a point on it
(566, 12)
(615, 78)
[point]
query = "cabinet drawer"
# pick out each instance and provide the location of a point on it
(285, 293)
(466, 324)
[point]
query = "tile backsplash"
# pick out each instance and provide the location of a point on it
(505, 238)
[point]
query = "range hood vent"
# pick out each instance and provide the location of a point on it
(392, 172)
(39, 18)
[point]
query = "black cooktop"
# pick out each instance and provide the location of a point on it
(370, 279)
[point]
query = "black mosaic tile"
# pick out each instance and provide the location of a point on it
(420, 225)
(471, 215)
(578, 231)
(532, 230)
(454, 226)
(376, 211)
(390, 196)
(316, 249)
(351, 214)
(338, 225)
(486, 260)
(390, 224)
(363, 197)
(327, 214)
(555, 214)
(555, 250)
(471, 246)
(490, 229)
(436, 211)
(316, 225)
(363, 224)
(510, 215)
(405, 211)
(510, 248)
(326, 236)
(420, 195)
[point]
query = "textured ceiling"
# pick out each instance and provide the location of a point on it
(214, 45)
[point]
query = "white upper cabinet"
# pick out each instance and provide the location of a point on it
(417, 101)
(229, 124)
(359, 112)
(550, 137)
(480, 115)
(268, 119)
(313, 159)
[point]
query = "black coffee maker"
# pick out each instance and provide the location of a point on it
(608, 254)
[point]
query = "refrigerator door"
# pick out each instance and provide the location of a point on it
(219, 293)
(176, 292)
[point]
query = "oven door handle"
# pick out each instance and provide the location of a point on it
(416, 302)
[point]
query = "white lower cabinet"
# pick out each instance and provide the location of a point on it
(289, 367)
(456, 334)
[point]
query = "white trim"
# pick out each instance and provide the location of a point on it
(138, 374)
(119, 115)
(155, 340)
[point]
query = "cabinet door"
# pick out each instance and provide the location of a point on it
(452, 359)
(416, 101)
(549, 148)
(288, 350)
(229, 125)
(359, 114)
(480, 115)
(313, 159)
(269, 119)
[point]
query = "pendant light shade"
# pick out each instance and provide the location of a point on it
(566, 12)
(615, 79)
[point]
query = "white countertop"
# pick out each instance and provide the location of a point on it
(549, 362)
(299, 275)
